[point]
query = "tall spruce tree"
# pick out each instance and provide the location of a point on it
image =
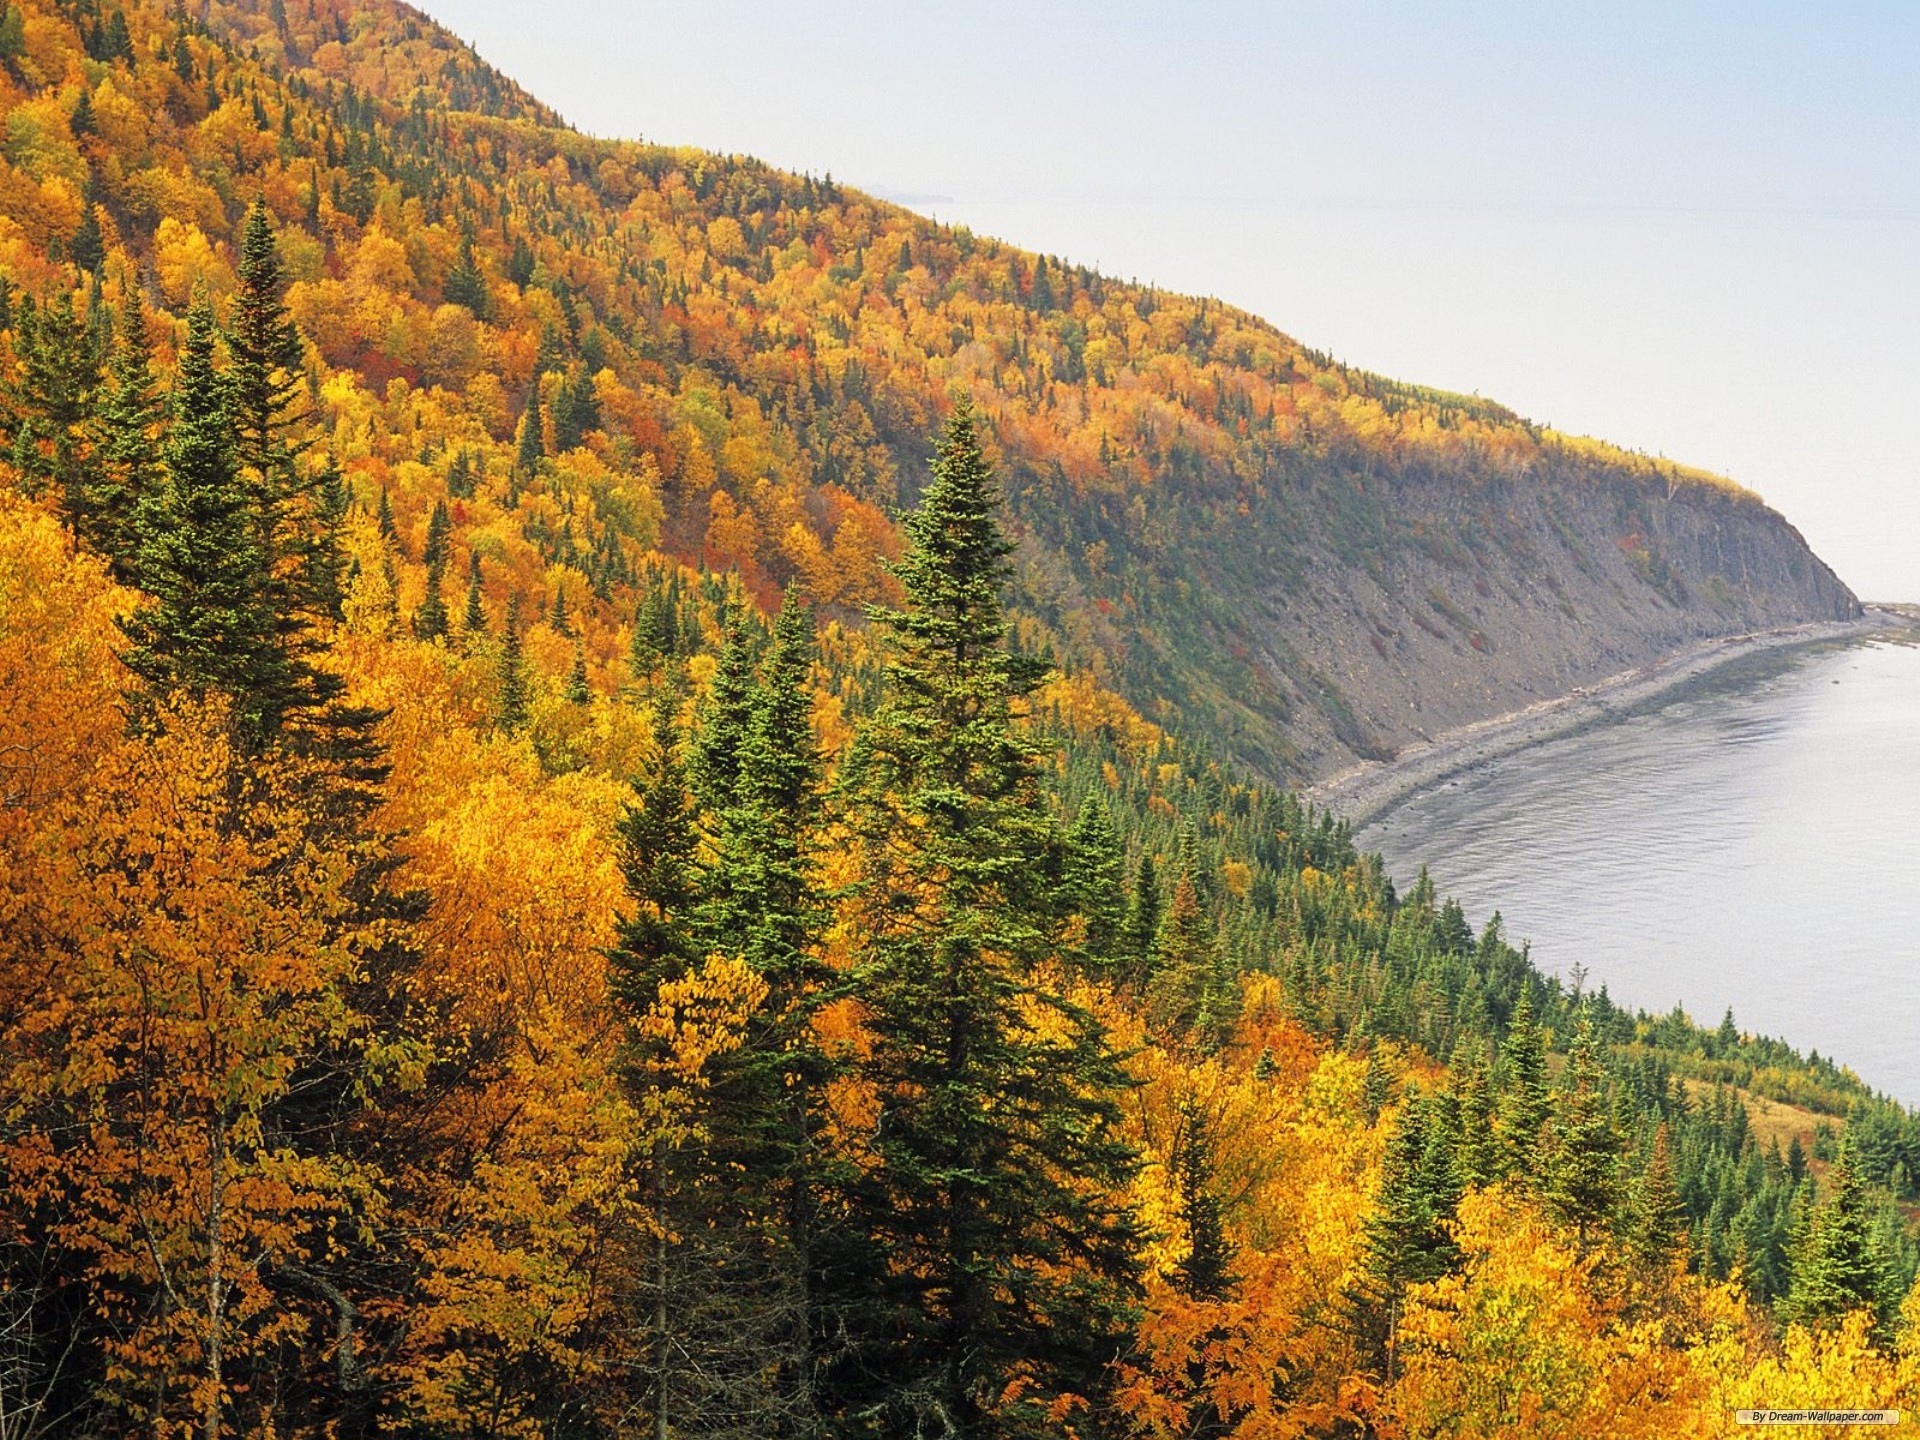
(265, 381)
(579, 692)
(996, 1157)
(88, 248)
(1205, 1272)
(755, 762)
(725, 717)
(1836, 1266)
(1407, 1239)
(212, 625)
(327, 561)
(52, 404)
(473, 623)
(126, 427)
(1526, 1101)
(513, 707)
(531, 448)
(430, 620)
(383, 518)
(1477, 1150)
(439, 534)
(298, 517)
(1096, 881)
(767, 1099)
(657, 838)
(1657, 1234)
(465, 284)
(1142, 925)
(1582, 1186)
(1187, 993)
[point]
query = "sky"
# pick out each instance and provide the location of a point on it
(1689, 229)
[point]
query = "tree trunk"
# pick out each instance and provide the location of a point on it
(662, 1349)
(216, 1261)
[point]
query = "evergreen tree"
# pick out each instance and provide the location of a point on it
(389, 532)
(1188, 861)
(125, 430)
(1658, 1233)
(474, 622)
(1796, 1160)
(265, 380)
(1095, 880)
(531, 447)
(117, 43)
(1376, 1085)
(1478, 1147)
(465, 284)
(578, 691)
(1407, 1241)
(439, 534)
(1582, 1187)
(430, 620)
(996, 1154)
(1205, 1271)
(389, 592)
(52, 405)
(725, 715)
(1142, 925)
(557, 615)
(1187, 990)
(576, 410)
(1836, 1266)
(520, 262)
(460, 476)
(88, 248)
(515, 698)
(212, 624)
(325, 586)
(656, 628)
(755, 766)
(768, 1098)
(657, 838)
(1727, 1037)
(1525, 1099)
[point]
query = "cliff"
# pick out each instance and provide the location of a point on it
(1476, 598)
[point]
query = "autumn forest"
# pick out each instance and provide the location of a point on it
(610, 824)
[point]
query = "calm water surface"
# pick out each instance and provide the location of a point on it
(1758, 849)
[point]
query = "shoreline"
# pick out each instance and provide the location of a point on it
(1365, 792)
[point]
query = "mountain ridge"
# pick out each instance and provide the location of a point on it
(755, 359)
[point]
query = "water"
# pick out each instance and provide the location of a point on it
(1756, 847)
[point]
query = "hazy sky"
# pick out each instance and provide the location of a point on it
(1693, 230)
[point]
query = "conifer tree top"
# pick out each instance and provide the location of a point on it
(957, 564)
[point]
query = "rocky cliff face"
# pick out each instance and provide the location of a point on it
(1361, 607)
(1570, 583)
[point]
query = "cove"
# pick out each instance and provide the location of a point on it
(1753, 844)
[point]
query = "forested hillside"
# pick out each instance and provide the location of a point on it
(742, 366)
(557, 880)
